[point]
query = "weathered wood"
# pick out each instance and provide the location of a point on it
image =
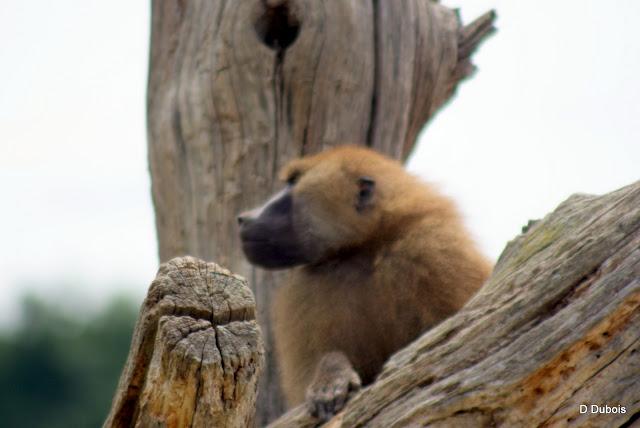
(196, 352)
(556, 326)
(238, 88)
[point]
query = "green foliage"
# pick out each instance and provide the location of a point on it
(58, 370)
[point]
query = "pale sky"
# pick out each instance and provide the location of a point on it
(552, 110)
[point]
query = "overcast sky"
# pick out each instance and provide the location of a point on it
(552, 110)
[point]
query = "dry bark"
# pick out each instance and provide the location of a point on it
(557, 325)
(237, 88)
(196, 352)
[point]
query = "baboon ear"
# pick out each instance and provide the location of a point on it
(366, 189)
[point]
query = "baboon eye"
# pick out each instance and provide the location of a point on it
(293, 178)
(366, 186)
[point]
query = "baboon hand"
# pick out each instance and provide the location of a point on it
(333, 384)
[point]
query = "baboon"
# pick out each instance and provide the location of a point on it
(376, 257)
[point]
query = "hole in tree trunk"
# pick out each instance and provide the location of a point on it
(277, 25)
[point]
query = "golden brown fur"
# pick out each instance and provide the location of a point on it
(388, 273)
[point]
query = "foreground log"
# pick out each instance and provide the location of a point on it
(196, 352)
(556, 326)
(239, 88)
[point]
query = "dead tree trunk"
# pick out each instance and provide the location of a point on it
(237, 88)
(196, 352)
(556, 326)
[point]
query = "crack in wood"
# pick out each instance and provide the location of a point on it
(632, 419)
(376, 74)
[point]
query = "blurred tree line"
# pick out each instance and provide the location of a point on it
(58, 369)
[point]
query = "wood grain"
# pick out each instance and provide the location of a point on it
(196, 352)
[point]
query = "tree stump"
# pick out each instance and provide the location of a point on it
(556, 326)
(196, 352)
(238, 88)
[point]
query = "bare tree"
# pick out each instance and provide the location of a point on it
(237, 88)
